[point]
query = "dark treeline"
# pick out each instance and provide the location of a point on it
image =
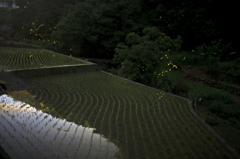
(94, 28)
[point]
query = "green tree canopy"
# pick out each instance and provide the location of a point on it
(96, 30)
(95, 27)
(143, 56)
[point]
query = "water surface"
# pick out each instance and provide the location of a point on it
(29, 133)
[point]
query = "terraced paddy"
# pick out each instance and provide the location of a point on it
(115, 117)
(23, 58)
(29, 133)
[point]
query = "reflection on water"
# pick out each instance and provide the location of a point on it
(29, 133)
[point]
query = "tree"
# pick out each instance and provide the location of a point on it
(97, 27)
(38, 12)
(143, 59)
(108, 22)
(196, 21)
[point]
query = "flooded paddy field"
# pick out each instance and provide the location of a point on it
(23, 58)
(97, 115)
(29, 133)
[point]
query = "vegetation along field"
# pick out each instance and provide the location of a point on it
(22, 58)
(141, 122)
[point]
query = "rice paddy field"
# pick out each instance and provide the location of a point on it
(22, 58)
(97, 115)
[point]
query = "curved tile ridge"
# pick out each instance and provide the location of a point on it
(222, 141)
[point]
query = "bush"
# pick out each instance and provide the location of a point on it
(49, 46)
(216, 107)
(223, 110)
(113, 71)
(168, 82)
(237, 61)
(28, 41)
(216, 48)
(37, 43)
(44, 43)
(216, 94)
(212, 62)
(195, 59)
(233, 122)
(145, 54)
(183, 86)
(191, 58)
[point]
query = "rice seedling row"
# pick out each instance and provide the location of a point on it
(8, 146)
(43, 140)
(106, 103)
(97, 116)
(96, 119)
(22, 58)
(95, 90)
(11, 136)
(211, 140)
(173, 124)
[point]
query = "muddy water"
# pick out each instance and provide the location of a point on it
(29, 133)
